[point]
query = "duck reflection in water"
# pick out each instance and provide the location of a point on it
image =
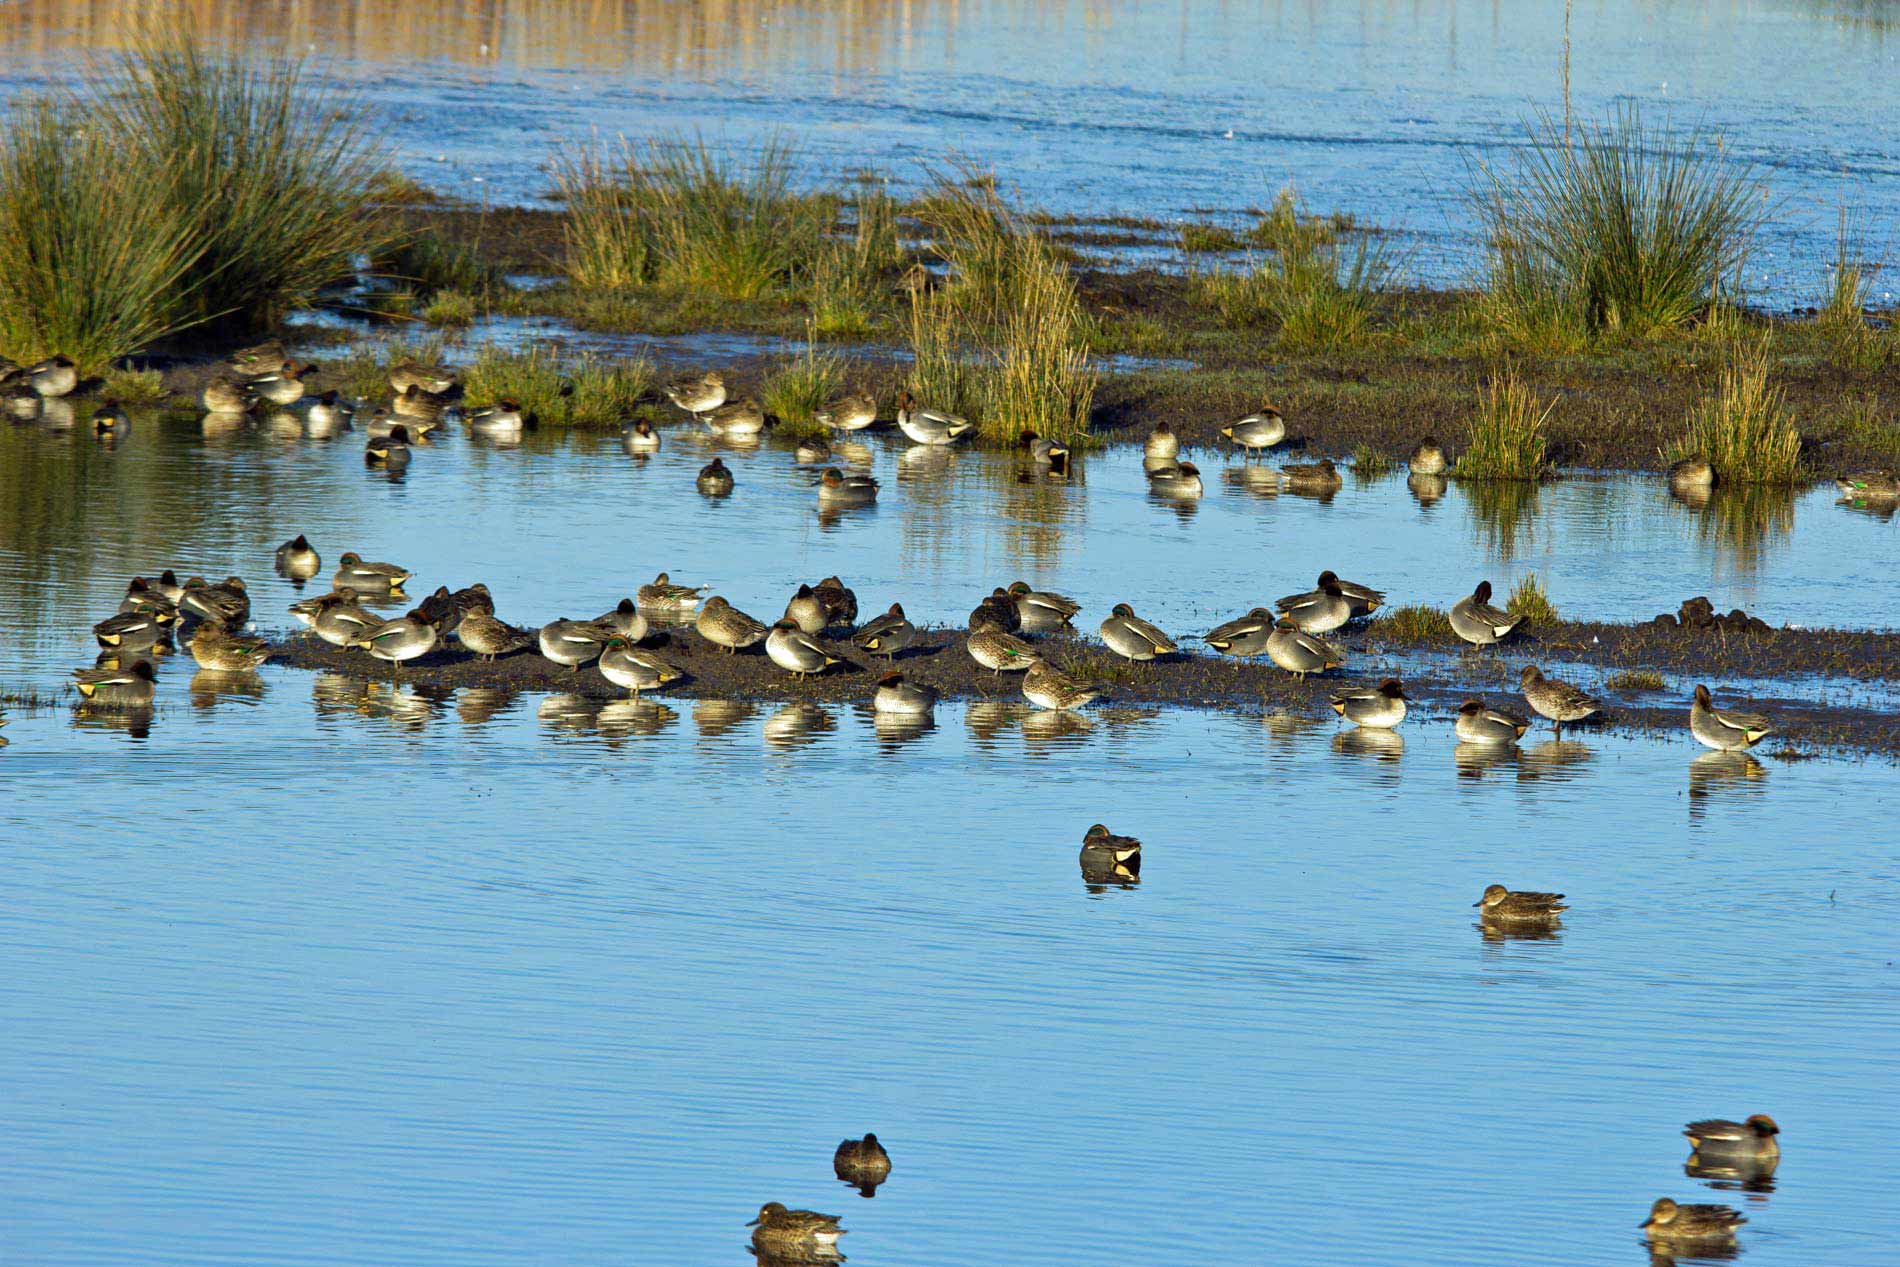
(1053, 729)
(1109, 861)
(134, 720)
(1716, 774)
(797, 726)
(1384, 746)
(714, 718)
(479, 705)
(1555, 760)
(1427, 490)
(1475, 760)
(894, 730)
(211, 686)
(862, 1163)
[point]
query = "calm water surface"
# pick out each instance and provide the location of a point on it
(310, 970)
(1094, 106)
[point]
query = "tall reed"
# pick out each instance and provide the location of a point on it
(1743, 426)
(1504, 436)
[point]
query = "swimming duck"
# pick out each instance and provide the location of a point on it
(1103, 850)
(744, 417)
(807, 611)
(1041, 607)
(483, 635)
(1162, 444)
(715, 479)
(663, 595)
(623, 664)
(1478, 724)
(1477, 622)
(1723, 729)
(226, 602)
(1000, 652)
(379, 423)
(503, 418)
(1301, 653)
(724, 625)
(110, 421)
(297, 558)
(55, 376)
(640, 437)
(1045, 452)
(998, 609)
(1321, 611)
(1500, 905)
(1243, 636)
(410, 373)
(811, 451)
(928, 426)
(368, 578)
(283, 385)
(841, 602)
(886, 635)
(1320, 477)
(1694, 474)
(1183, 479)
(796, 651)
(395, 641)
(1427, 458)
(341, 621)
(419, 410)
(1363, 600)
(625, 619)
(1257, 432)
(328, 414)
(1876, 484)
(1669, 1221)
(1717, 1136)
(131, 686)
(216, 648)
(908, 699)
(698, 395)
(1380, 707)
(134, 630)
(853, 411)
(572, 642)
(837, 487)
(1559, 701)
(1046, 686)
(261, 358)
(223, 394)
(795, 1235)
(391, 450)
(1133, 638)
(863, 1161)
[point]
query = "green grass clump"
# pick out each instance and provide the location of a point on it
(1625, 229)
(587, 392)
(1199, 239)
(1287, 226)
(1530, 601)
(449, 308)
(1742, 427)
(131, 386)
(432, 262)
(1414, 623)
(391, 188)
(1861, 423)
(1504, 438)
(1851, 343)
(1369, 463)
(1635, 680)
(1326, 296)
(801, 388)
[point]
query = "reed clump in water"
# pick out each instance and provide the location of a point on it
(1620, 229)
(1530, 601)
(801, 387)
(582, 392)
(1742, 427)
(1504, 436)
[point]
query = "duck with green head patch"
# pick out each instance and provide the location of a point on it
(634, 670)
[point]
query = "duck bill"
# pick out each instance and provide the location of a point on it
(752, 1222)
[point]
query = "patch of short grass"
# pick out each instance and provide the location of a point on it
(431, 262)
(450, 308)
(1197, 239)
(1288, 226)
(1742, 426)
(1530, 601)
(131, 386)
(1415, 622)
(1504, 436)
(801, 387)
(1635, 680)
(1369, 462)
(582, 392)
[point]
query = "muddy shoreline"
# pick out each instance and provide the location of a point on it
(1194, 679)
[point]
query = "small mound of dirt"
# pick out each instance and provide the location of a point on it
(1699, 614)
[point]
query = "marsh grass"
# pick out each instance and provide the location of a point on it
(1504, 436)
(800, 388)
(1860, 422)
(1742, 426)
(1200, 239)
(450, 308)
(1368, 463)
(1850, 343)
(1328, 296)
(364, 375)
(1620, 228)
(1414, 623)
(131, 386)
(1635, 680)
(1287, 226)
(1530, 601)
(584, 392)
(431, 262)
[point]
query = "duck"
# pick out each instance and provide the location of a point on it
(132, 686)
(1362, 600)
(1753, 1138)
(1046, 686)
(1046, 452)
(1559, 701)
(1482, 725)
(21, 402)
(410, 373)
(1183, 479)
(134, 630)
(807, 611)
(739, 418)
(420, 410)
(1500, 905)
(368, 578)
(328, 414)
(1320, 477)
(395, 641)
(1693, 474)
(886, 635)
(796, 651)
(298, 558)
(390, 451)
(342, 621)
(795, 1235)
(223, 394)
(1724, 729)
(640, 437)
(216, 648)
(55, 376)
(503, 418)
(841, 602)
(625, 618)
(928, 426)
(863, 1161)
(110, 421)
(1427, 458)
(999, 609)
(623, 664)
(1041, 607)
(1103, 850)
(715, 479)
(1321, 611)
(724, 625)
(474, 598)
(698, 395)
(1301, 653)
(226, 602)
(283, 385)
(572, 642)
(440, 610)
(480, 633)
(143, 595)
(811, 451)
(853, 411)
(1876, 484)
(1133, 638)
(1257, 432)
(999, 651)
(261, 358)
(896, 696)
(1669, 1221)
(1244, 635)
(662, 594)
(837, 487)
(1379, 708)
(168, 585)
(1162, 444)
(1477, 622)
